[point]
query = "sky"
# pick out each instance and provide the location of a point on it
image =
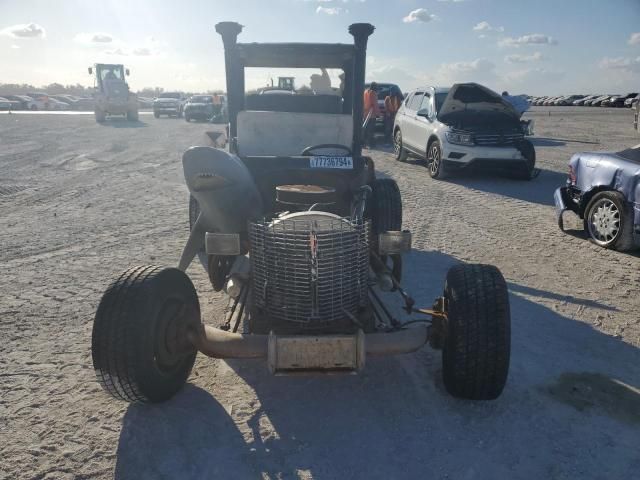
(538, 47)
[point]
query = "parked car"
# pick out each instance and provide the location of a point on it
(629, 102)
(69, 100)
(40, 99)
(55, 104)
(602, 189)
(619, 100)
(86, 104)
(6, 104)
(200, 107)
(17, 103)
(568, 100)
(384, 90)
(170, 104)
(144, 102)
(597, 101)
(467, 125)
(580, 102)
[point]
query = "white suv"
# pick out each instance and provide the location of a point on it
(466, 125)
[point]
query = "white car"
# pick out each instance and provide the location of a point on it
(464, 126)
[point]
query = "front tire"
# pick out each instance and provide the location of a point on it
(156, 114)
(608, 221)
(434, 161)
(477, 347)
(398, 148)
(528, 151)
(139, 346)
(385, 211)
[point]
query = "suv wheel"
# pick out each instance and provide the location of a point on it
(607, 221)
(399, 151)
(434, 161)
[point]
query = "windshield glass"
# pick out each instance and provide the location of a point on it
(201, 99)
(169, 95)
(439, 99)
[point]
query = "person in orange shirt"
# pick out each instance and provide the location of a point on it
(371, 107)
(391, 106)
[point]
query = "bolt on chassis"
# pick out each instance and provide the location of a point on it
(292, 223)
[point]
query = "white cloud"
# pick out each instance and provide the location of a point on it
(621, 63)
(486, 27)
(142, 52)
(117, 51)
(330, 10)
(634, 39)
(532, 39)
(479, 70)
(516, 58)
(28, 30)
(478, 65)
(419, 15)
(96, 38)
(15, 47)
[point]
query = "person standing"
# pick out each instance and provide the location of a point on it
(371, 111)
(391, 106)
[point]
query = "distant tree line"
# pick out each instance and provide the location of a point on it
(77, 89)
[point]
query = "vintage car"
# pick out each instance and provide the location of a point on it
(294, 225)
(603, 189)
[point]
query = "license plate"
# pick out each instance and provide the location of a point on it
(331, 162)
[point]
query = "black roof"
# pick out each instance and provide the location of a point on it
(295, 55)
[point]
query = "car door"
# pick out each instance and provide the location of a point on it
(411, 133)
(401, 117)
(423, 123)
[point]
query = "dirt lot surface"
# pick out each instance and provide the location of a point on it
(80, 202)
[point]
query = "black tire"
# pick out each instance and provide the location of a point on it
(156, 114)
(385, 206)
(528, 151)
(100, 115)
(477, 347)
(132, 115)
(385, 211)
(398, 148)
(33, 108)
(137, 314)
(434, 161)
(621, 229)
(187, 118)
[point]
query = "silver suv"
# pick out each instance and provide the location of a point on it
(464, 126)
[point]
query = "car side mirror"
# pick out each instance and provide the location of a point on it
(424, 112)
(127, 72)
(90, 70)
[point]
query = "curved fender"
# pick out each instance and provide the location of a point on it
(225, 191)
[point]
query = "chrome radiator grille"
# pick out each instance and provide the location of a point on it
(310, 267)
(506, 139)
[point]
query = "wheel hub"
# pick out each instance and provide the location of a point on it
(604, 224)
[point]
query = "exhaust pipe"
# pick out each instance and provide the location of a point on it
(217, 343)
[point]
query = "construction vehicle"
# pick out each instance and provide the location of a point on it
(113, 96)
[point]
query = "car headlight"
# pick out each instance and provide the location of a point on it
(459, 138)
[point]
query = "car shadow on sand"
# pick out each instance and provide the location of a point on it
(395, 419)
(123, 123)
(538, 190)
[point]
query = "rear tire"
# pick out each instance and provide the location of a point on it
(528, 151)
(385, 211)
(100, 115)
(477, 347)
(400, 153)
(139, 346)
(132, 115)
(156, 114)
(609, 207)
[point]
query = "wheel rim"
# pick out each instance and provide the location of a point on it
(434, 160)
(604, 222)
(170, 345)
(397, 144)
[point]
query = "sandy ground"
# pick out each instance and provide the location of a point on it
(80, 202)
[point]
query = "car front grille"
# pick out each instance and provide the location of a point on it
(311, 268)
(506, 139)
